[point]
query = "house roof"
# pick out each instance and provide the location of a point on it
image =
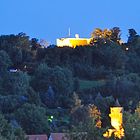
(37, 137)
(58, 136)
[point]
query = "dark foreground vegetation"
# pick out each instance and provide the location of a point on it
(68, 90)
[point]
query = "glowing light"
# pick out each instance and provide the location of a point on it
(50, 118)
(116, 122)
(127, 49)
(73, 42)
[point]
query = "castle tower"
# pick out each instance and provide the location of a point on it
(116, 115)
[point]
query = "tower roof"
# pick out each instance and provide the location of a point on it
(117, 104)
(99, 96)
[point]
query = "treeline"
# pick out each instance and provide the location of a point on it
(52, 89)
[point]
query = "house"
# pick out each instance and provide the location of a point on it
(73, 42)
(58, 136)
(37, 137)
(66, 136)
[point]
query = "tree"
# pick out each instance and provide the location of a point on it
(101, 37)
(5, 61)
(48, 98)
(22, 41)
(98, 37)
(16, 56)
(132, 36)
(20, 134)
(44, 43)
(86, 131)
(14, 43)
(97, 33)
(103, 103)
(90, 129)
(16, 83)
(32, 119)
(9, 133)
(40, 80)
(96, 114)
(35, 44)
(107, 34)
(76, 102)
(131, 126)
(60, 79)
(33, 97)
(133, 62)
(10, 103)
(5, 128)
(115, 36)
(110, 56)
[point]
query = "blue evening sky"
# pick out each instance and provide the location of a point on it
(50, 19)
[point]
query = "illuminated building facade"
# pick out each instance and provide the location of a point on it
(73, 42)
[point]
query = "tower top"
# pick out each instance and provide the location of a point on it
(117, 104)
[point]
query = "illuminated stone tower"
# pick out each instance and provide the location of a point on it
(116, 116)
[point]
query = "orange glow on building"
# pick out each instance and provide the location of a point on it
(73, 42)
(116, 116)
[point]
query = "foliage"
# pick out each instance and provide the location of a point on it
(46, 79)
(33, 97)
(5, 61)
(76, 102)
(16, 83)
(115, 36)
(60, 79)
(131, 124)
(11, 102)
(100, 37)
(32, 119)
(88, 129)
(48, 98)
(17, 47)
(132, 38)
(9, 133)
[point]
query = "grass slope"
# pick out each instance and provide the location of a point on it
(86, 84)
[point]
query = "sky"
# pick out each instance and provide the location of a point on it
(51, 19)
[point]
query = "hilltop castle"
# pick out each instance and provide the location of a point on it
(73, 42)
